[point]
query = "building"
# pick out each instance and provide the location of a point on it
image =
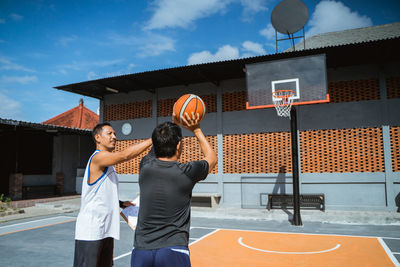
(79, 117)
(42, 160)
(349, 148)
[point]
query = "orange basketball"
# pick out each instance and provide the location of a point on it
(189, 103)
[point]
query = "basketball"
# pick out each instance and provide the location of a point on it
(187, 104)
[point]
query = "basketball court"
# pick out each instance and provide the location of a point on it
(254, 248)
(49, 241)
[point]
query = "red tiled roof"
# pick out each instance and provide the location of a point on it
(77, 117)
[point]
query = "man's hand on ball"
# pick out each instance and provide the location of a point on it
(191, 122)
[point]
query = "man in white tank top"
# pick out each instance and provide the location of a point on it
(98, 221)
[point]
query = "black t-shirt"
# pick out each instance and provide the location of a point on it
(165, 195)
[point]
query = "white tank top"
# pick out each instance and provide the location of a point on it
(98, 217)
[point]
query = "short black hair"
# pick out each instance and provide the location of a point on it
(98, 128)
(166, 137)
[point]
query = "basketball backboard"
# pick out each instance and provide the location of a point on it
(305, 76)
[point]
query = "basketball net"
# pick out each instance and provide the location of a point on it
(283, 102)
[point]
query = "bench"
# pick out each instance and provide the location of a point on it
(210, 200)
(38, 191)
(307, 201)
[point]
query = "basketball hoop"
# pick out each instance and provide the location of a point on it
(283, 102)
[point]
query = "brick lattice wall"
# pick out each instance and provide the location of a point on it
(342, 151)
(234, 101)
(191, 151)
(257, 153)
(130, 166)
(393, 87)
(395, 147)
(128, 111)
(359, 90)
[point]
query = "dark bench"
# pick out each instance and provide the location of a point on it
(307, 201)
(210, 200)
(39, 191)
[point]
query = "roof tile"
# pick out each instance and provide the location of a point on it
(77, 117)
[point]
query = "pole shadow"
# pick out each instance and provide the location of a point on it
(280, 189)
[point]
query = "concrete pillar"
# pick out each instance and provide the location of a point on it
(15, 186)
(59, 183)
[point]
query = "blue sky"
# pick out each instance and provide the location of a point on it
(49, 43)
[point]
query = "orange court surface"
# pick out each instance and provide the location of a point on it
(253, 248)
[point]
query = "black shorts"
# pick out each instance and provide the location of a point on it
(96, 253)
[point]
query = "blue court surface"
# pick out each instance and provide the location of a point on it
(49, 240)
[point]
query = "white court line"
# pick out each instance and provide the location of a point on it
(388, 252)
(298, 233)
(287, 252)
(201, 238)
(123, 255)
(396, 253)
(200, 227)
(51, 218)
(195, 240)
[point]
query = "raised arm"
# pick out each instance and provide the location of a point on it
(192, 123)
(105, 158)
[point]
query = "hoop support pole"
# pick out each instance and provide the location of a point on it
(295, 167)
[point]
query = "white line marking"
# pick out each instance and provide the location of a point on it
(388, 252)
(299, 233)
(123, 255)
(200, 227)
(396, 253)
(201, 238)
(286, 252)
(52, 218)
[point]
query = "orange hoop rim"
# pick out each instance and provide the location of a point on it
(290, 93)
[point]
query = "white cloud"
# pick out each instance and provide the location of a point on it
(149, 44)
(225, 52)
(7, 64)
(332, 16)
(2, 21)
(37, 55)
(251, 7)
(268, 32)
(66, 40)
(84, 65)
(182, 13)
(19, 79)
(130, 67)
(9, 108)
(93, 75)
(16, 17)
(156, 45)
(252, 49)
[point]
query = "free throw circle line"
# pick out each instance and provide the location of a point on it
(287, 252)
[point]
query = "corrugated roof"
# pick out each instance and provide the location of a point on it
(43, 126)
(351, 36)
(362, 52)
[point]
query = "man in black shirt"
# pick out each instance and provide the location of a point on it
(162, 232)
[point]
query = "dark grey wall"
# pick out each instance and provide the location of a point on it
(71, 152)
